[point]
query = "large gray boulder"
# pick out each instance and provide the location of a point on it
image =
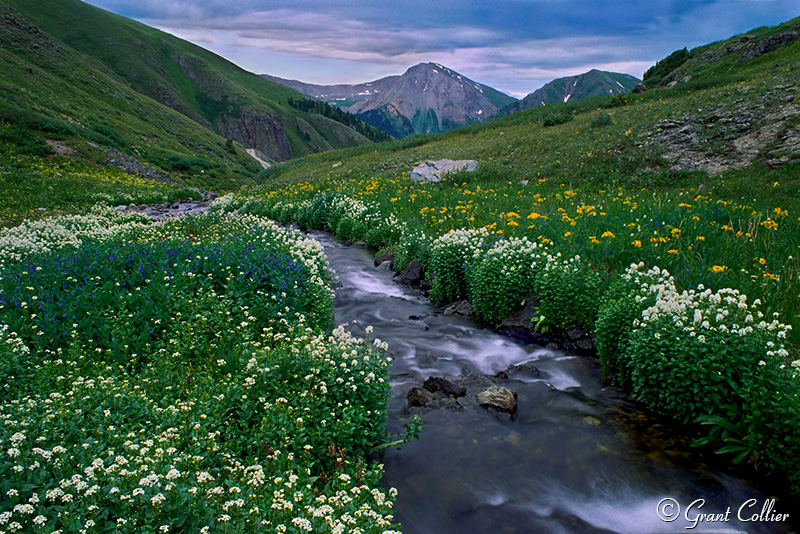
(433, 171)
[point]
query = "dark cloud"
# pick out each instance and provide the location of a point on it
(514, 45)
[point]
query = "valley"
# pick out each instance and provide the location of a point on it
(209, 372)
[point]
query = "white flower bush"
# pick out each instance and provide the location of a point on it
(46, 235)
(450, 256)
(706, 356)
(504, 275)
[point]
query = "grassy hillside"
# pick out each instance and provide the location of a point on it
(199, 84)
(64, 119)
(97, 107)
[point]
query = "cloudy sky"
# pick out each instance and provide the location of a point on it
(515, 46)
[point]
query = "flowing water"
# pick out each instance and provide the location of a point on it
(577, 457)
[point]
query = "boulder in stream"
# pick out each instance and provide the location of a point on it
(412, 275)
(418, 397)
(383, 258)
(436, 383)
(462, 308)
(499, 398)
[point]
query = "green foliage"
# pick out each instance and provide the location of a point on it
(348, 119)
(620, 306)
(559, 116)
(712, 358)
(450, 257)
(190, 164)
(502, 277)
(569, 294)
(411, 244)
(197, 350)
(25, 141)
(655, 74)
(107, 135)
(601, 119)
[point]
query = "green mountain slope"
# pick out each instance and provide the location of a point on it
(195, 82)
(571, 88)
(732, 60)
(70, 127)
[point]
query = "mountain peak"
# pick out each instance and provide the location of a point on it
(592, 83)
(428, 97)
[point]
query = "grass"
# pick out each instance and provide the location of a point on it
(33, 188)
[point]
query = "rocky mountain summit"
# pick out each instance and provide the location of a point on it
(427, 98)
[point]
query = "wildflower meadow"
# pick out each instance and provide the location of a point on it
(182, 376)
(708, 336)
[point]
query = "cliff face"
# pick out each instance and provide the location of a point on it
(261, 129)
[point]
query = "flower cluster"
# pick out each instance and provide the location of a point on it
(46, 235)
(450, 256)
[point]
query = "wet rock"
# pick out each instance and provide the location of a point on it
(522, 371)
(499, 398)
(385, 266)
(360, 243)
(412, 275)
(418, 397)
(574, 334)
(469, 379)
(389, 256)
(435, 383)
(463, 309)
(433, 171)
(585, 346)
(521, 323)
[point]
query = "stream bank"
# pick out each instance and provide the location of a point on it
(574, 457)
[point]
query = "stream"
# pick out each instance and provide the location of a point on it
(576, 458)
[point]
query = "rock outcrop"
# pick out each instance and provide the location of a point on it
(261, 129)
(763, 128)
(434, 171)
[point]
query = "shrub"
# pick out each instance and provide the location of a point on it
(554, 118)
(450, 256)
(26, 141)
(413, 244)
(623, 303)
(569, 293)
(503, 277)
(694, 351)
(600, 119)
(314, 213)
